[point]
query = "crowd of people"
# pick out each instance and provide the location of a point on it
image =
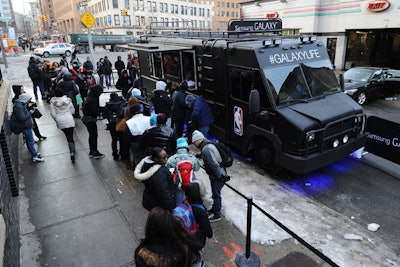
(148, 136)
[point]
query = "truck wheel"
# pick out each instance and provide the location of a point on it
(81, 50)
(362, 98)
(46, 54)
(67, 53)
(87, 49)
(265, 155)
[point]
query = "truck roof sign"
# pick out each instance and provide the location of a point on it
(255, 25)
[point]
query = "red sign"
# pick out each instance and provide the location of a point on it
(378, 6)
(272, 15)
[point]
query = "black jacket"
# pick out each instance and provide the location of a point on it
(162, 102)
(179, 107)
(124, 84)
(200, 214)
(119, 65)
(159, 185)
(92, 105)
(112, 111)
(35, 73)
(69, 87)
(159, 136)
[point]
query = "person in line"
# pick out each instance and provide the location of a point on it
(24, 119)
(36, 75)
(107, 71)
(100, 71)
(166, 243)
(124, 83)
(179, 108)
(61, 109)
(75, 60)
(64, 62)
(161, 101)
(112, 110)
(70, 89)
(134, 130)
(159, 135)
(193, 194)
(131, 67)
(119, 65)
(18, 90)
(91, 110)
(159, 185)
(202, 115)
(144, 106)
(182, 153)
(212, 159)
(88, 65)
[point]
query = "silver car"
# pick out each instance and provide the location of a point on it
(55, 49)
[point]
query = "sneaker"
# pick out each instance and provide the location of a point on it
(210, 211)
(42, 138)
(214, 218)
(91, 154)
(39, 155)
(116, 157)
(98, 155)
(37, 159)
(72, 158)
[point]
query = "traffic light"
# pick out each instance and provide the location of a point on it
(43, 18)
(124, 12)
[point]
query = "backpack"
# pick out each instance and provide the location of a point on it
(14, 126)
(183, 173)
(225, 152)
(184, 214)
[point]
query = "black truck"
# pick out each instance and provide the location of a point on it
(273, 97)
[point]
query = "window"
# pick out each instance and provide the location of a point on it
(117, 21)
(195, 11)
(166, 22)
(141, 5)
(243, 81)
(218, 13)
(222, 13)
(227, 4)
(127, 4)
(137, 20)
(223, 4)
(172, 8)
(115, 3)
(161, 7)
(218, 4)
(227, 13)
(182, 10)
(171, 64)
(136, 4)
(154, 6)
(149, 6)
(208, 13)
(127, 20)
(165, 7)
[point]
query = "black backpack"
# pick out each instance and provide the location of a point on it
(225, 152)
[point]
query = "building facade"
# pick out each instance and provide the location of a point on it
(224, 11)
(355, 32)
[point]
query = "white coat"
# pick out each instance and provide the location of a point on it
(61, 109)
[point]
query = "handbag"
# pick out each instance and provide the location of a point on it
(120, 124)
(79, 100)
(36, 113)
(87, 119)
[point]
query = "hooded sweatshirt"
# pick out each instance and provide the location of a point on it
(159, 185)
(61, 109)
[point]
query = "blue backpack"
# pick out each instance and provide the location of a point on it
(184, 214)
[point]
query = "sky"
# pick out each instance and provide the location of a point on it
(319, 225)
(21, 6)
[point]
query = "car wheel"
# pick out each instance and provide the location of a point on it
(67, 53)
(46, 54)
(361, 98)
(265, 154)
(81, 50)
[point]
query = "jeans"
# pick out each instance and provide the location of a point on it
(115, 138)
(108, 80)
(69, 134)
(39, 84)
(101, 79)
(92, 129)
(216, 187)
(30, 142)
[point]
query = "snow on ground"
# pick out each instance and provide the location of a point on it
(320, 226)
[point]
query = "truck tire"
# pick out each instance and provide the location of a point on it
(265, 155)
(87, 49)
(81, 50)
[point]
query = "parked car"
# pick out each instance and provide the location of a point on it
(55, 49)
(364, 83)
(392, 82)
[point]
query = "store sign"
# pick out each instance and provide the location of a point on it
(378, 6)
(272, 15)
(255, 25)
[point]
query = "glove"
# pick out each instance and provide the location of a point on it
(225, 178)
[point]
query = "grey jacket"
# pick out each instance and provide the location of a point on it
(212, 160)
(22, 115)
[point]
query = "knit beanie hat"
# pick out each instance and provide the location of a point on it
(136, 92)
(160, 85)
(197, 136)
(25, 97)
(181, 143)
(153, 119)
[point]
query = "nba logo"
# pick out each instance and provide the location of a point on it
(238, 121)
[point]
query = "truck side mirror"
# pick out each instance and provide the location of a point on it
(341, 80)
(254, 102)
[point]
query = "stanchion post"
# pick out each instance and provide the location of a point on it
(248, 258)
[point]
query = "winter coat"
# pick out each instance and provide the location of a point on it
(202, 113)
(112, 110)
(179, 107)
(100, 68)
(159, 136)
(212, 160)
(159, 185)
(182, 154)
(119, 65)
(107, 67)
(158, 254)
(88, 65)
(92, 105)
(124, 84)
(61, 109)
(35, 73)
(69, 87)
(162, 102)
(22, 115)
(192, 193)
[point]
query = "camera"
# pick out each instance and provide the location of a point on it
(31, 105)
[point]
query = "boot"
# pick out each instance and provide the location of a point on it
(71, 146)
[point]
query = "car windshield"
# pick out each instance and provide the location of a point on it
(357, 75)
(300, 82)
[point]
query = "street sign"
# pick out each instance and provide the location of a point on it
(88, 20)
(82, 4)
(28, 19)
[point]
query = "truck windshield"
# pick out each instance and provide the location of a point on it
(299, 82)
